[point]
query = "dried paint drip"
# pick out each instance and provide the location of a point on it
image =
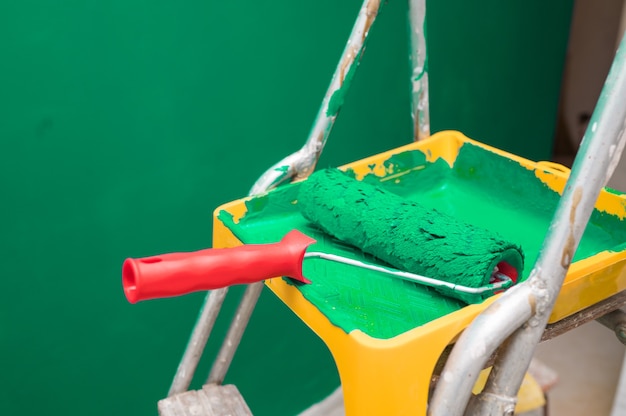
(405, 234)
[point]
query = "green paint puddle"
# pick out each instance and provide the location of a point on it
(482, 188)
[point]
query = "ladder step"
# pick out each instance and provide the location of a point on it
(211, 400)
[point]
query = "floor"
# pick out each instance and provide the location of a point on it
(588, 363)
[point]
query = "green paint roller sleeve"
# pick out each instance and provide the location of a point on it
(405, 234)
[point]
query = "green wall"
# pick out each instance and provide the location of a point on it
(124, 124)
(496, 70)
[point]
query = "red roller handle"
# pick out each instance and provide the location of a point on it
(177, 274)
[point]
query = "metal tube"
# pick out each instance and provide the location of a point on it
(474, 348)
(503, 282)
(204, 325)
(235, 333)
(419, 70)
(600, 153)
(301, 164)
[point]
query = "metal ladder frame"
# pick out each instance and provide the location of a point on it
(523, 311)
(300, 165)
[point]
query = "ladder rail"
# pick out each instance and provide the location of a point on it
(420, 113)
(534, 299)
(235, 333)
(199, 337)
(298, 165)
(301, 164)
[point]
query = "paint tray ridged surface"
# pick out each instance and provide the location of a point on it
(511, 196)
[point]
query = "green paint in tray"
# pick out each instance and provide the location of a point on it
(481, 188)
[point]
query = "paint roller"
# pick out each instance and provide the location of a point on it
(420, 244)
(409, 236)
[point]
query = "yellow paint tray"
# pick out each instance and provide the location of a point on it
(385, 339)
